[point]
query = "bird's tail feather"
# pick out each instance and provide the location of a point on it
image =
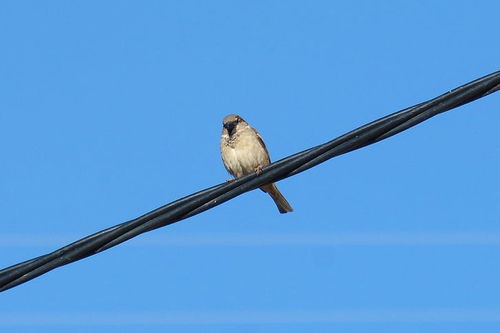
(279, 199)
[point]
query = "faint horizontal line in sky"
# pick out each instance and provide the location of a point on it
(273, 239)
(322, 239)
(252, 317)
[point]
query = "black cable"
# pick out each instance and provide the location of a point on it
(198, 202)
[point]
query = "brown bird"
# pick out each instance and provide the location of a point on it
(244, 152)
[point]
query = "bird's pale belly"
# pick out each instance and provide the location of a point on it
(243, 160)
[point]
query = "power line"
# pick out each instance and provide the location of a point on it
(208, 198)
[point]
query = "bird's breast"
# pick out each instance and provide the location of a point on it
(243, 154)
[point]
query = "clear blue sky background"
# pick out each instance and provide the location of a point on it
(109, 109)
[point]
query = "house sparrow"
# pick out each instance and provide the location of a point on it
(244, 152)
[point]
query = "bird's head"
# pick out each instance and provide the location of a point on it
(230, 123)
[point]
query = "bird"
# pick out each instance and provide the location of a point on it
(243, 151)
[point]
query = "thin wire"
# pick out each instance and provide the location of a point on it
(208, 198)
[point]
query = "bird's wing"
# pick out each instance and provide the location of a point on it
(263, 144)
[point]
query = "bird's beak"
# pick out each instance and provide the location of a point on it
(230, 127)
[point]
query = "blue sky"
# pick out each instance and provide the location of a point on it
(109, 109)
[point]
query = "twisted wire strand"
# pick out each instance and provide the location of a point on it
(208, 198)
